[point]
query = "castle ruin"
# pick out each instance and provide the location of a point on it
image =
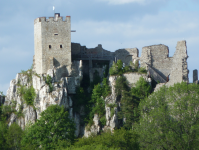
(53, 49)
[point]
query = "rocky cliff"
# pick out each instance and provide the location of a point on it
(60, 91)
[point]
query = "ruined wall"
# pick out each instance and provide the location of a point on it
(179, 70)
(127, 54)
(132, 78)
(75, 48)
(52, 39)
(157, 57)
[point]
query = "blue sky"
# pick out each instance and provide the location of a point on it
(113, 23)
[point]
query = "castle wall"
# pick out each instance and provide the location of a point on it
(157, 57)
(127, 55)
(52, 39)
(75, 48)
(179, 70)
(38, 46)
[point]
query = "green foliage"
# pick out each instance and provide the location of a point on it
(134, 66)
(112, 106)
(118, 69)
(170, 118)
(20, 112)
(21, 90)
(53, 125)
(3, 133)
(96, 79)
(142, 89)
(130, 99)
(142, 70)
(1, 93)
(13, 104)
(120, 139)
(29, 95)
(28, 73)
(10, 138)
(97, 102)
(92, 147)
(79, 99)
(128, 105)
(49, 82)
(106, 90)
(103, 120)
(14, 136)
(106, 71)
(121, 85)
(6, 111)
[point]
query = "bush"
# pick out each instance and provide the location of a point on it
(118, 69)
(103, 120)
(53, 125)
(142, 70)
(49, 82)
(121, 85)
(29, 95)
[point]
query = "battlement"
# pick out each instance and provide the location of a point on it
(52, 19)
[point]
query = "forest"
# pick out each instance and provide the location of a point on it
(162, 120)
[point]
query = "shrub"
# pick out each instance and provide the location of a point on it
(142, 70)
(49, 82)
(29, 95)
(103, 120)
(121, 85)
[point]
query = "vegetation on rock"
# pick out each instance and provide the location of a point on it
(53, 127)
(49, 82)
(119, 69)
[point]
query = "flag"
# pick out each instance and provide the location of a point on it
(53, 8)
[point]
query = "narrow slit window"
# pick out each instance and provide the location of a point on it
(49, 46)
(56, 34)
(60, 46)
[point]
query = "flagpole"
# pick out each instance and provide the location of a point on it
(54, 9)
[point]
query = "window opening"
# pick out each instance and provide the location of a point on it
(60, 46)
(49, 46)
(55, 33)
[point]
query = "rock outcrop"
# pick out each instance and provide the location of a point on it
(62, 88)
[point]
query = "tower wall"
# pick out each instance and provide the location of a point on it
(52, 43)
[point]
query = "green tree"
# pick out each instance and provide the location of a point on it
(170, 118)
(120, 139)
(14, 136)
(3, 133)
(53, 125)
(127, 112)
(142, 89)
(121, 85)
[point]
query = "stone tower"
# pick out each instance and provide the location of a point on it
(52, 38)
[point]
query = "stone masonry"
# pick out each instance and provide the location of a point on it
(52, 43)
(53, 49)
